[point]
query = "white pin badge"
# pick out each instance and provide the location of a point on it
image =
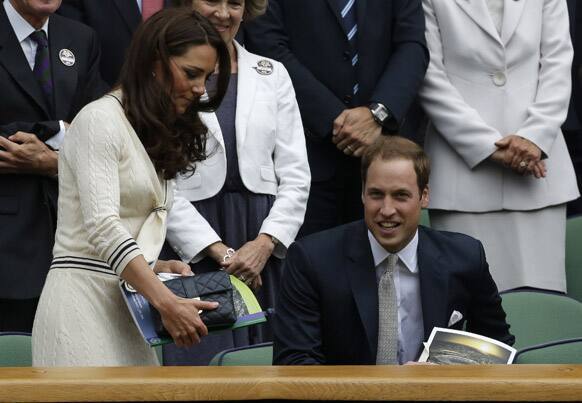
(264, 67)
(67, 57)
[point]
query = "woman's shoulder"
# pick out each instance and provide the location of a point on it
(108, 106)
(261, 64)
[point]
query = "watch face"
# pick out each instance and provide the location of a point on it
(382, 114)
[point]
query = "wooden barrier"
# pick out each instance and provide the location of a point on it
(401, 383)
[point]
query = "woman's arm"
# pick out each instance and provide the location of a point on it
(460, 124)
(179, 315)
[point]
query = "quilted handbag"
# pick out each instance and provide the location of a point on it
(211, 286)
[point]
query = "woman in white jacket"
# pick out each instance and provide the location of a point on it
(497, 92)
(250, 194)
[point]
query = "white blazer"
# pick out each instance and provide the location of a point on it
(271, 154)
(481, 86)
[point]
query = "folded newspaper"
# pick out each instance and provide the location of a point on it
(248, 310)
(449, 346)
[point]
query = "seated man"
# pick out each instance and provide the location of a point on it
(370, 292)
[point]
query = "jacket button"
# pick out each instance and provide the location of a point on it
(347, 99)
(347, 55)
(499, 79)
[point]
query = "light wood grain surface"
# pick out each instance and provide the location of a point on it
(404, 383)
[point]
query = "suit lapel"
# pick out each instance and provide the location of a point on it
(246, 90)
(334, 6)
(130, 13)
(64, 77)
(511, 15)
(13, 59)
(477, 10)
(362, 277)
(433, 284)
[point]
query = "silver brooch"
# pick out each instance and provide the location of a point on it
(67, 57)
(264, 67)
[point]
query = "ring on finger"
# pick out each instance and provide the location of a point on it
(523, 164)
(242, 278)
(348, 149)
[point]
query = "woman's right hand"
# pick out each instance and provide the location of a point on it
(181, 319)
(217, 251)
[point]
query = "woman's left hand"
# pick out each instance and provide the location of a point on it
(519, 152)
(173, 266)
(250, 259)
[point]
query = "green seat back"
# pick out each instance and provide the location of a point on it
(574, 257)
(258, 354)
(15, 350)
(541, 317)
(424, 219)
(564, 352)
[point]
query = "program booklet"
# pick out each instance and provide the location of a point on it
(448, 346)
(248, 310)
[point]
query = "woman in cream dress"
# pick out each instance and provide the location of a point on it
(114, 180)
(496, 92)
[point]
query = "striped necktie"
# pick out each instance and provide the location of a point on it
(42, 65)
(150, 7)
(387, 352)
(349, 18)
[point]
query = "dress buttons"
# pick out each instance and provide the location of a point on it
(499, 79)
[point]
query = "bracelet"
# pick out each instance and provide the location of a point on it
(229, 253)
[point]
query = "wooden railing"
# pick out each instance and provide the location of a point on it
(400, 383)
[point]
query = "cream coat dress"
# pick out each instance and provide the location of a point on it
(481, 85)
(112, 208)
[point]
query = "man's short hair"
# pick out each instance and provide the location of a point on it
(389, 148)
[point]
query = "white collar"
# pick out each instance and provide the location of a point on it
(408, 254)
(21, 27)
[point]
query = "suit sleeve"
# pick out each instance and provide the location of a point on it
(291, 168)
(267, 36)
(460, 125)
(405, 70)
(487, 316)
(550, 107)
(297, 319)
(95, 87)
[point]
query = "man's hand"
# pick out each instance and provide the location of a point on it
(354, 130)
(25, 153)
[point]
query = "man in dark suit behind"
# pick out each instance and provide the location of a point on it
(43, 85)
(346, 59)
(115, 21)
(334, 298)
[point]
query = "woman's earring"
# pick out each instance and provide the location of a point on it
(153, 74)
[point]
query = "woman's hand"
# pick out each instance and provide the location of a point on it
(217, 251)
(248, 262)
(519, 152)
(538, 169)
(181, 319)
(173, 266)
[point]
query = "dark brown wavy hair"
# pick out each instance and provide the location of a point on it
(174, 142)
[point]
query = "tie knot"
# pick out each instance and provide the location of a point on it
(40, 38)
(391, 261)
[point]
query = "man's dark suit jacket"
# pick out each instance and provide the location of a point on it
(327, 312)
(115, 21)
(28, 202)
(308, 37)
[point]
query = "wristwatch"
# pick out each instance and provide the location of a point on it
(384, 118)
